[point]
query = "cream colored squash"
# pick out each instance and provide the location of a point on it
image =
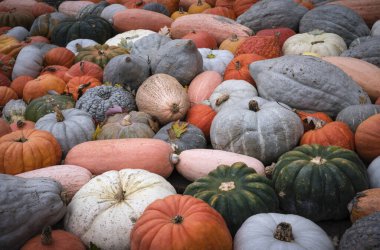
(126, 39)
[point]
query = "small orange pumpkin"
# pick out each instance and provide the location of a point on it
(367, 138)
(364, 203)
(19, 83)
(78, 85)
(201, 116)
(84, 68)
(6, 94)
(221, 11)
(266, 46)
(56, 70)
(241, 6)
(282, 33)
(4, 127)
(59, 56)
(232, 43)
(307, 119)
(6, 65)
(41, 85)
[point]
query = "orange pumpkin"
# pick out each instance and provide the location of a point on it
(6, 94)
(193, 221)
(19, 83)
(225, 3)
(135, 4)
(4, 127)
(367, 138)
(307, 118)
(241, 6)
(202, 39)
(26, 150)
(202, 86)
(59, 56)
(84, 68)
(201, 116)
(20, 125)
(4, 29)
(35, 39)
(232, 43)
(80, 84)
(364, 203)
(56, 70)
(221, 11)
(330, 134)
(198, 7)
(238, 68)
(6, 65)
(41, 85)
(281, 33)
(266, 46)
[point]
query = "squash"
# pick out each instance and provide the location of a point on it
(232, 43)
(163, 97)
(44, 24)
(241, 6)
(236, 192)
(9, 45)
(374, 173)
(367, 51)
(198, 7)
(15, 18)
(45, 207)
(113, 202)
(281, 33)
(72, 8)
(201, 116)
(202, 86)
(14, 110)
(215, 60)
(202, 39)
(71, 177)
(128, 38)
(309, 118)
(41, 86)
(92, 9)
(175, 217)
(56, 70)
(326, 88)
(4, 80)
(364, 203)
(274, 230)
(18, 32)
(4, 127)
(78, 85)
(354, 115)
(19, 83)
(148, 45)
(77, 43)
(375, 31)
(221, 11)
(157, 7)
(265, 46)
(178, 13)
(367, 138)
(6, 64)
(317, 182)
(20, 125)
(59, 56)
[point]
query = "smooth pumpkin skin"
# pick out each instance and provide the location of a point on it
(20, 125)
(221, 11)
(354, 115)
(59, 56)
(78, 85)
(72, 8)
(364, 203)
(19, 83)
(282, 34)
(4, 127)
(142, 153)
(41, 85)
(84, 68)
(201, 116)
(56, 70)
(202, 86)
(202, 227)
(6, 94)
(232, 43)
(73, 45)
(202, 39)
(44, 24)
(148, 45)
(109, 11)
(374, 173)
(367, 138)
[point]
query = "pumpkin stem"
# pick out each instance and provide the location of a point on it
(234, 38)
(58, 114)
(315, 42)
(46, 238)
(227, 186)
(315, 122)
(20, 124)
(126, 120)
(81, 66)
(269, 170)
(180, 10)
(318, 160)
(119, 196)
(178, 219)
(81, 88)
(211, 56)
(283, 232)
(175, 108)
(199, 3)
(128, 59)
(237, 65)
(101, 52)
(222, 99)
(253, 106)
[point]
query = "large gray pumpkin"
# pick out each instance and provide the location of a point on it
(359, 41)
(96, 101)
(306, 83)
(267, 14)
(179, 58)
(147, 46)
(368, 51)
(70, 127)
(334, 18)
(26, 206)
(356, 114)
(18, 32)
(258, 128)
(110, 10)
(127, 70)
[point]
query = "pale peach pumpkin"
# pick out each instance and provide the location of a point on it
(202, 86)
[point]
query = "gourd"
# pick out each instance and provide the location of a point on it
(202, 86)
(44, 24)
(367, 51)
(77, 43)
(148, 45)
(14, 110)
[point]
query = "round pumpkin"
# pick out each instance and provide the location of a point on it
(84, 68)
(265, 46)
(59, 56)
(78, 85)
(19, 83)
(201, 116)
(4, 127)
(232, 43)
(374, 173)
(364, 203)
(202, 39)
(56, 70)
(6, 94)
(41, 86)
(354, 115)
(202, 86)
(44, 24)
(282, 33)
(367, 138)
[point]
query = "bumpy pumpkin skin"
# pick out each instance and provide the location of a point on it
(302, 175)
(236, 192)
(14, 110)
(327, 88)
(364, 203)
(45, 207)
(112, 202)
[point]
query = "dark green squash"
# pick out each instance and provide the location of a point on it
(318, 182)
(93, 9)
(236, 192)
(368, 50)
(44, 24)
(89, 27)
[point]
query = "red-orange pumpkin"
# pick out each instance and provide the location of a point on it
(364, 203)
(221, 11)
(282, 33)
(6, 94)
(241, 6)
(308, 117)
(6, 64)
(41, 85)
(4, 127)
(19, 83)
(80, 84)
(20, 125)
(59, 56)
(202, 39)
(202, 86)
(201, 116)
(367, 138)
(180, 12)
(84, 68)
(198, 7)
(56, 70)
(266, 46)
(4, 80)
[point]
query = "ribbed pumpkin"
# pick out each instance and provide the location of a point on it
(180, 217)
(99, 54)
(202, 86)
(44, 24)
(281, 33)
(201, 115)
(19, 83)
(317, 182)
(180, 12)
(367, 138)
(4, 127)
(236, 192)
(6, 64)
(41, 85)
(56, 70)
(241, 6)
(59, 56)
(198, 7)
(9, 45)
(78, 85)
(354, 115)
(92, 9)
(84, 68)
(232, 43)
(266, 46)
(6, 94)
(201, 39)
(15, 18)
(364, 203)
(31, 149)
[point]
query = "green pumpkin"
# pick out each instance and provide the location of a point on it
(89, 27)
(45, 24)
(317, 182)
(236, 192)
(45, 105)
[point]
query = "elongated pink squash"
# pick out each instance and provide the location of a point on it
(202, 86)
(196, 163)
(142, 153)
(133, 19)
(219, 27)
(71, 177)
(72, 8)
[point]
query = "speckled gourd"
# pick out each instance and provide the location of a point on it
(14, 110)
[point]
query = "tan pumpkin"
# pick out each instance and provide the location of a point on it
(367, 138)
(232, 43)
(19, 83)
(364, 203)
(6, 94)
(78, 85)
(369, 10)
(163, 97)
(198, 7)
(59, 56)
(202, 86)
(41, 85)
(180, 12)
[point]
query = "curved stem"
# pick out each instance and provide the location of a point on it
(283, 232)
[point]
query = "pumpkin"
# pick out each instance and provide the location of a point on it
(92, 9)
(4, 80)
(20, 125)
(281, 33)
(215, 60)
(19, 83)
(79, 85)
(198, 7)
(35, 39)
(89, 27)
(56, 70)
(54, 239)
(129, 71)
(4, 127)
(113, 201)
(14, 110)
(163, 97)
(41, 85)
(72, 8)
(46, 104)
(202, 86)
(241, 6)
(232, 43)
(180, 12)
(354, 115)
(148, 45)
(236, 192)
(202, 39)
(281, 231)
(335, 19)
(249, 127)
(15, 18)
(367, 138)
(367, 51)
(374, 173)
(44, 24)
(268, 14)
(128, 38)
(6, 94)
(302, 175)
(221, 11)
(157, 7)
(266, 46)
(359, 41)
(31, 149)
(224, 3)
(80, 43)
(109, 11)
(71, 177)
(175, 217)
(134, 4)
(375, 31)
(201, 116)
(45, 207)
(309, 118)
(6, 64)
(18, 32)
(312, 78)
(59, 56)
(364, 203)
(84, 68)
(9, 45)
(362, 234)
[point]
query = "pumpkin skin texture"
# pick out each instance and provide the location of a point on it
(184, 216)
(4, 127)
(281, 33)
(300, 177)
(276, 78)
(157, 7)
(79, 85)
(374, 173)
(19, 83)
(163, 97)
(45, 207)
(368, 51)
(96, 101)
(59, 56)
(201, 116)
(15, 18)
(14, 110)
(202, 39)
(84, 68)
(112, 202)
(367, 138)
(92, 9)
(89, 154)
(221, 11)
(74, 44)
(6, 64)
(20, 125)
(236, 192)
(202, 86)
(128, 38)
(354, 115)
(363, 234)
(181, 53)
(364, 203)
(72, 8)
(257, 232)
(375, 31)
(6, 94)
(44, 24)
(266, 46)
(268, 14)
(41, 86)
(55, 70)
(232, 43)
(335, 19)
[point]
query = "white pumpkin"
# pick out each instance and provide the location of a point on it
(74, 44)
(215, 60)
(374, 173)
(105, 210)
(126, 39)
(323, 44)
(271, 231)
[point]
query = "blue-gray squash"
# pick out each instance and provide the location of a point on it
(355, 114)
(147, 46)
(368, 50)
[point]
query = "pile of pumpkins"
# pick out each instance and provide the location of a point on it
(270, 109)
